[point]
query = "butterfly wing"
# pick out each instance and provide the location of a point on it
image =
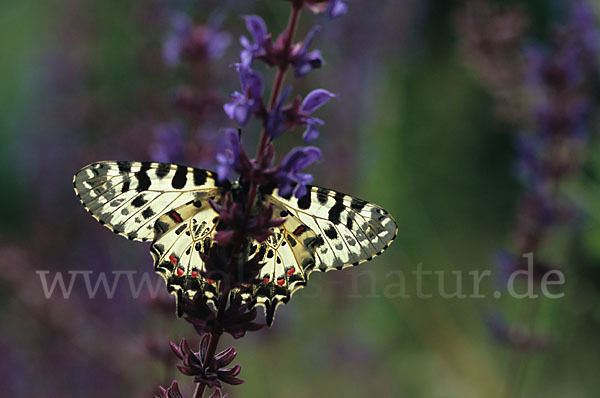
(181, 236)
(349, 230)
(324, 230)
(128, 197)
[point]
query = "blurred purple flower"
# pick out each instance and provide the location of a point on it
(517, 338)
(168, 143)
(242, 105)
(186, 41)
(334, 8)
(290, 180)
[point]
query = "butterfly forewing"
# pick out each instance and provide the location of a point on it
(128, 197)
(349, 230)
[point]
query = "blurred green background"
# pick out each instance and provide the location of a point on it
(416, 130)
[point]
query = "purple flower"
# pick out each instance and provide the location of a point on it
(279, 53)
(303, 60)
(258, 29)
(282, 117)
(290, 180)
(193, 43)
(242, 105)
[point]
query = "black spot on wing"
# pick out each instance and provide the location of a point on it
(147, 213)
(180, 177)
(139, 201)
(162, 170)
(126, 184)
(304, 202)
(357, 204)
(261, 252)
(349, 221)
(142, 177)
(124, 167)
(337, 209)
(322, 195)
(331, 233)
(161, 227)
(199, 177)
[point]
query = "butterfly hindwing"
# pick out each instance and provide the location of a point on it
(288, 258)
(128, 197)
(325, 230)
(181, 236)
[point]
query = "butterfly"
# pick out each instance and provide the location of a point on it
(168, 205)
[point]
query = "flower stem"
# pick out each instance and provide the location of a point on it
(279, 78)
(210, 354)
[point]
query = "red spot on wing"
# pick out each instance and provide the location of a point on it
(280, 281)
(173, 258)
(266, 280)
(298, 231)
(194, 274)
(175, 216)
(179, 271)
(210, 281)
(291, 271)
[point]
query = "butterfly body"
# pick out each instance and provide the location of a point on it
(169, 205)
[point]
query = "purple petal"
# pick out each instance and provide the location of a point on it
(300, 191)
(252, 82)
(275, 125)
(299, 158)
(309, 37)
(336, 9)
(218, 44)
(310, 134)
(315, 99)
(257, 27)
(285, 189)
